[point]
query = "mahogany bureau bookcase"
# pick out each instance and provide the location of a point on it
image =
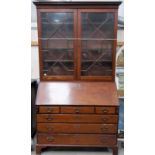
(77, 96)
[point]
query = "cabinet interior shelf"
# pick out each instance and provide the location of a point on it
(71, 50)
(83, 70)
(56, 23)
(82, 39)
(83, 61)
(69, 70)
(58, 50)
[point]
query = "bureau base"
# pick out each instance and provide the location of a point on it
(84, 118)
(39, 147)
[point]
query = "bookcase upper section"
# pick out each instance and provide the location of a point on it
(77, 40)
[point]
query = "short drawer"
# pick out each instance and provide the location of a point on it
(49, 109)
(76, 128)
(105, 110)
(74, 118)
(77, 109)
(77, 139)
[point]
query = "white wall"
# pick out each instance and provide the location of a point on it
(120, 36)
(34, 57)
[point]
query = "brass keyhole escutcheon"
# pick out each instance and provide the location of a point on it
(104, 119)
(77, 110)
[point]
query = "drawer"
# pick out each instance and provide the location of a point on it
(74, 118)
(76, 128)
(105, 110)
(49, 109)
(77, 109)
(76, 139)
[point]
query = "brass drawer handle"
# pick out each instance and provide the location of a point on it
(50, 139)
(77, 110)
(49, 109)
(104, 110)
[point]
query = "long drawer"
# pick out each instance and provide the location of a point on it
(77, 109)
(76, 128)
(64, 118)
(76, 139)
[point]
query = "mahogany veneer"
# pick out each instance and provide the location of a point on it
(76, 128)
(78, 93)
(77, 114)
(77, 44)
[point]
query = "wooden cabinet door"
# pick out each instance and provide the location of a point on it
(57, 33)
(97, 43)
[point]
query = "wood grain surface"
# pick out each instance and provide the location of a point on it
(77, 93)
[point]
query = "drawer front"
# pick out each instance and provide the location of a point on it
(105, 110)
(64, 118)
(49, 109)
(77, 139)
(77, 109)
(76, 128)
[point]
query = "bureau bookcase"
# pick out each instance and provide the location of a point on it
(77, 97)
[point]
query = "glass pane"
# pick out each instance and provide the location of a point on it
(97, 42)
(96, 58)
(57, 25)
(57, 43)
(97, 25)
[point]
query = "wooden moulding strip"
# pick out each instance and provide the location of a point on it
(120, 93)
(35, 43)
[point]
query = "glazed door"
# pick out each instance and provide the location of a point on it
(57, 33)
(97, 43)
